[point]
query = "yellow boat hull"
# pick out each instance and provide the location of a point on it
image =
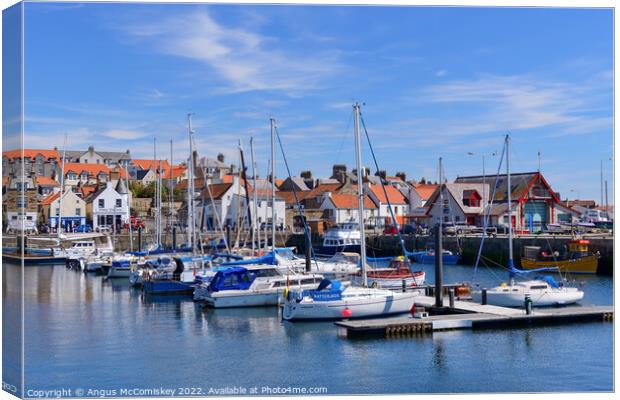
(583, 265)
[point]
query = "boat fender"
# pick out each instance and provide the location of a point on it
(346, 312)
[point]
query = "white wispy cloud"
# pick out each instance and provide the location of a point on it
(509, 103)
(122, 134)
(243, 59)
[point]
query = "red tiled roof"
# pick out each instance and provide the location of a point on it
(50, 199)
(47, 181)
(148, 164)
(88, 189)
(289, 197)
(175, 172)
(325, 187)
(31, 153)
(349, 201)
(394, 195)
(92, 169)
(425, 190)
(217, 190)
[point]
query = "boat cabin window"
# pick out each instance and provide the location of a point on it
(538, 287)
(265, 273)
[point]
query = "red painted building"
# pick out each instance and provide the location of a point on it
(534, 203)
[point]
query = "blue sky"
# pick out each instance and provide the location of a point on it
(435, 82)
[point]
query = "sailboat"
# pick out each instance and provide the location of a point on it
(542, 292)
(333, 300)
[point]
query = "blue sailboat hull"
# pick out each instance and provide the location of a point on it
(323, 251)
(448, 259)
(166, 286)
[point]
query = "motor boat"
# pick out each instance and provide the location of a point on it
(257, 285)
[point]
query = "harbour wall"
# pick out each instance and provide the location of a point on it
(495, 248)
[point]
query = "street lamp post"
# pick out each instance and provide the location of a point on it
(576, 191)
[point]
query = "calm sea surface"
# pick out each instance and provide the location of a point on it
(85, 332)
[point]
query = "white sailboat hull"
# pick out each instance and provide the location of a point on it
(119, 272)
(544, 298)
(239, 299)
(359, 307)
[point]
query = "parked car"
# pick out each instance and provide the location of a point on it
(104, 229)
(390, 230)
(267, 226)
(135, 223)
(84, 228)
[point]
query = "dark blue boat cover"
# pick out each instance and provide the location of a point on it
(235, 278)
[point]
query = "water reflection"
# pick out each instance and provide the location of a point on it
(86, 330)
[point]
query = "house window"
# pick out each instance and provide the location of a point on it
(101, 203)
(457, 218)
(84, 176)
(71, 176)
(118, 203)
(58, 211)
(22, 202)
(78, 211)
(446, 219)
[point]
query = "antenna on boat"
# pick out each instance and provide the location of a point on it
(360, 192)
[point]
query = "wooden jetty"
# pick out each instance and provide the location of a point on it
(469, 315)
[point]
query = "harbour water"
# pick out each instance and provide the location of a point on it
(84, 332)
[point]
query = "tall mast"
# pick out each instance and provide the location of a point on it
(128, 206)
(171, 195)
(441, 206)
(360, 192)
(254, 195)
(160, 193)
(155, 184)
(245, 185)
(62, 187)
(509, 191)
(273, 184)
(190, 186)
(601, 183)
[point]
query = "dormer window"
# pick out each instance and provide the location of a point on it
(71, 175)
(84, 176)
(471, 198)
